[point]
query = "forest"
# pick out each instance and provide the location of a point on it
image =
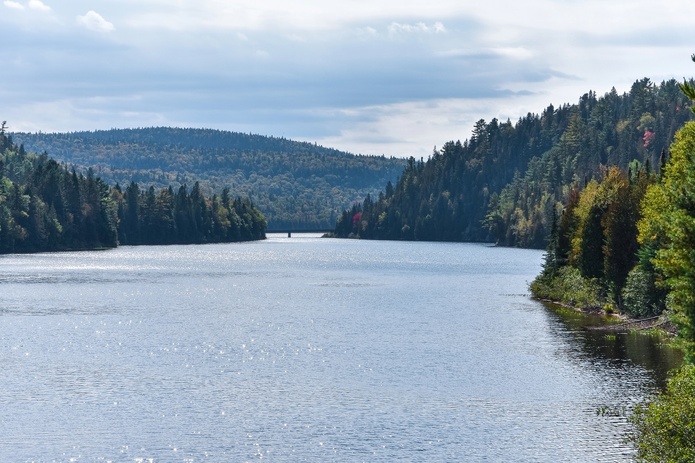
(44, 206)
(626, 243)
(296, 185)
(506, 183)
(585, 181)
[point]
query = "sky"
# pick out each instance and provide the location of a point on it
(397, 78)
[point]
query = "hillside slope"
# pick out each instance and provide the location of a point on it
(508, 181)
(295, 184)
(46, 207)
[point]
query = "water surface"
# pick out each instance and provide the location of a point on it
(306, 349)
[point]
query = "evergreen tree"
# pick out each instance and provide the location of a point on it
(505, 183)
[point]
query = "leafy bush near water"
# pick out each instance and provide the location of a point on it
(664, 429)
(568, 285)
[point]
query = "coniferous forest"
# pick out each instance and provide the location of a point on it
(579, 180)
(296, 185)
(44, 206)
(506, 183)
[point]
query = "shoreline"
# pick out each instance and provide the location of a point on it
(622, 323)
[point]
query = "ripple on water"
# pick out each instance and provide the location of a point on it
(302, 350)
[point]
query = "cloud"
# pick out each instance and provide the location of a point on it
(13, 5)
(38, 5)
(420, 27)
(95, 22)
(352, 74)
(519, 53)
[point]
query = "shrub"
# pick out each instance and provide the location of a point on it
(569, 287)
(664, 430)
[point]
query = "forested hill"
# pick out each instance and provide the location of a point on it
(506, 183)
(295, 184)
(46, 207)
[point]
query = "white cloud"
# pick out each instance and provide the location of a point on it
(374, 77)
(13, 5)
(95, 22)
(436, 28)
(514, 52)
(38, 5)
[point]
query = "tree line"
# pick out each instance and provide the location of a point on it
(296, 185)
(627, 242)
(179, 217)
(505, 183)
(594, 259)
(44, 206)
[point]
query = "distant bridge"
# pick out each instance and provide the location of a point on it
(289, 231)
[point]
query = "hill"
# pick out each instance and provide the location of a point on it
(296, 185)
(46, 207)
(507, 183)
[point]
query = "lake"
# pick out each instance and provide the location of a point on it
(305, 349)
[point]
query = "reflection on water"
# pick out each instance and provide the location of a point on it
(306, 349)
(649, 351)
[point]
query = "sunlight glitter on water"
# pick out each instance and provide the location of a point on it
(302, 350)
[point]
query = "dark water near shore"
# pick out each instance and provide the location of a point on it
(307, 349)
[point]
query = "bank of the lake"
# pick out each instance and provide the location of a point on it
(608, 319)
(307, 349)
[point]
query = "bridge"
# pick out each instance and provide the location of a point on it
(289, 231)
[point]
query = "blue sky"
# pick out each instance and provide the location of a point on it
(365, 76)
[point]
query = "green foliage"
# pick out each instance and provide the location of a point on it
(668, 224)
(168, 217)
(506, 183)
(591, 244)
(641, 297)
(568, 286)
(296, 185)
(633, 233)
(664, 430)
(446, 197)
(688, 89)
(609, 131)
(562, 240)
(45, 207)
(595, 246)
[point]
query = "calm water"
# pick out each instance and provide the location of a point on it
(305, 349)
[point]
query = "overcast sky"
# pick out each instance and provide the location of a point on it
(365, 76)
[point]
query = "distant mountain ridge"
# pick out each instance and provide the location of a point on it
(297, 185)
